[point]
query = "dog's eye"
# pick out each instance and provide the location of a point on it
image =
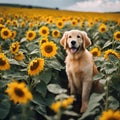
(78, 36)
(70, 36)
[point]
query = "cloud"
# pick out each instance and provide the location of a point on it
(96, 6)
(76, 5)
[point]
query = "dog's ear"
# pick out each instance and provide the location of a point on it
(63, 40)
(87, 41)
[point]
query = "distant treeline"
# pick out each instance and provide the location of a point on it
(24, 6)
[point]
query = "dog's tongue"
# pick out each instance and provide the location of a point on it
(73, 50)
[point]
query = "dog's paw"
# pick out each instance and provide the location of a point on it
(83, 108)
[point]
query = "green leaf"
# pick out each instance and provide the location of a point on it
(107, 44)
(93, 105)
(38, 99)
(36, 51)
(4, 109)
(54, 64)
(113, 103)
(14, 62)
(70, 113)
(113, 58)
(100, 59)
(98, 76)
(116, 81)
(46, 76)
(2, 84)
(41, 88)
(31, 46)
(111, 70)
(55, 89)
(23, 40)
(61, 96)
(105, 36)
(41, 109)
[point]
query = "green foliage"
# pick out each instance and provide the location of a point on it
(46, 87)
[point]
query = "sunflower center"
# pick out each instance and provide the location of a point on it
(48, 48)
(35, 65)
(118, 36)
(2, 62)
(91, 23)
(43, 41)
(102, 29)
(44, 31)
(1, 27)
(60, 24)
(112, 118)
(6, 33)
(14, 48)
(95, 53)
(19, 92)
(30, 35)
(74, 23)
(12, 34)
(55, 33)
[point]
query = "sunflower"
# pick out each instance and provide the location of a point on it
(56, 106)
(8, 22)
(55, 33)
(18, 92)
(102, 28)
(118, 22)
(96, 19)
(50, 20)
(14, 47)
(30, 25)
(44, 31)
(1, 49)
(62, 104)
(74, 22)
(82, 24)
(13, 34)
(35, 66)
(5, 33)
(110, 115)
(67, 102)
(90, 23)
(117, 35)
(15, 23)
(30, 35)
(1, 26)
(96, 52)
(4, 63)
(43, 40)
(19, 56)
(1, 20)
(48, 49)
(60, 24)
(111, 52)
(22, 24)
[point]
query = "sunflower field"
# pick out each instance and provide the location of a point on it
(33, 82)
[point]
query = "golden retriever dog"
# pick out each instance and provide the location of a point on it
(80, 67)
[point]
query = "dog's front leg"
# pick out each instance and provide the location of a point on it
(86, 88)
(71, 83)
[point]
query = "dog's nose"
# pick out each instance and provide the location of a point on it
(73, 42)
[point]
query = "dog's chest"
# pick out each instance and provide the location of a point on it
(74, 67)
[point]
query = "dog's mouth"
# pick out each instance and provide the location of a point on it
(74, 49)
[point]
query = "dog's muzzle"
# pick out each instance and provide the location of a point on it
(73, 48)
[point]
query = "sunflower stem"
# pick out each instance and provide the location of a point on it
(107, 95)
(24, 112)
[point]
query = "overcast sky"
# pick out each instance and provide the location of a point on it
(76, 5)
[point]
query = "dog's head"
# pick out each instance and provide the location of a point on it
(75, 40)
